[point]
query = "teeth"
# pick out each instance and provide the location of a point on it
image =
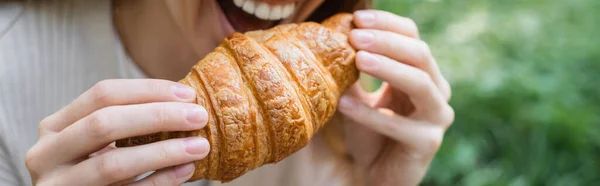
(265, 11)
(239, 3)
(288, 10)
(276, 12)
(249, 7)
(262, 11)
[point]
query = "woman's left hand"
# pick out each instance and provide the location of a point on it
(395, 132)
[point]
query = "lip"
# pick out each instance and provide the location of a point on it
(226, 25)
(235, 19)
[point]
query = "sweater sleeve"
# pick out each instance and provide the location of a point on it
(8, 171)
(10, 12)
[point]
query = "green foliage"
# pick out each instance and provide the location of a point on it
(525, 85)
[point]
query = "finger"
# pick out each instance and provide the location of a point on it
(382, 20)
(170, 176)
(361, 138)
(103, 150)
(124, 163)
(117, 122)
(409, 132)
(400, 48)
(356, 90)
(126, 181)
(416, 83)
(117, 92)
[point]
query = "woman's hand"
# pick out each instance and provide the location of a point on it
(75, 145)
(395, 132)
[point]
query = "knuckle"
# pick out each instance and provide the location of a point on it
(423, 84)
(101, 92)
(162, 114)
(158, 88)
(110, 168)
(97, 125)
(31, 159)
(436, 140)
(164, 152)
(412, 26)
(426, 54)
(447, 116)
(44, 124)
(422, 75)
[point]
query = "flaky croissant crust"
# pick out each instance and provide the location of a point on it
(267, 93)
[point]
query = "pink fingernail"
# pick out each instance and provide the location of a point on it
(367, 61)
(364, 38)
(365, 17)
(196, 145)
(347, 103)
(184, 170)
(196, 115)
(184, 92)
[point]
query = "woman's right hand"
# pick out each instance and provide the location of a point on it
(75, 145)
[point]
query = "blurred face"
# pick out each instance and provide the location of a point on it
(220, 18)
(184, 31)
(244, 15)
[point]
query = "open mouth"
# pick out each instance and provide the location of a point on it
(247, 15)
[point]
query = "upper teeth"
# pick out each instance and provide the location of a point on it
(265, 11)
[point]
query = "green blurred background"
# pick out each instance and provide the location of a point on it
(525, 85)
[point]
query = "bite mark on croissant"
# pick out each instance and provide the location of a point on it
(267, 93)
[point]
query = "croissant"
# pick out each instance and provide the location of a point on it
(267, 93)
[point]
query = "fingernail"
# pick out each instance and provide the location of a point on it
(184, 170)
(184, 92)
(365, 18)
(196, 115)
(196, 145)
(362, 37)
(347, 102)
(367, 61)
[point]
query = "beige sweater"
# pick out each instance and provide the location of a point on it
(56, 50)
